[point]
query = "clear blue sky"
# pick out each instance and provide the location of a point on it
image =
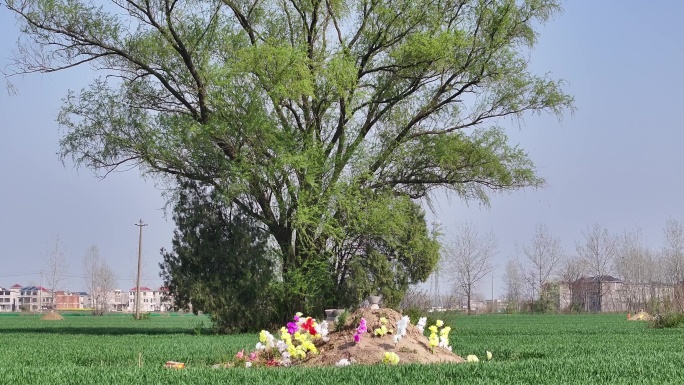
(616, 161)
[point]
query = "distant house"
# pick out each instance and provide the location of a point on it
(35, 298)
(9, 298)
(609, 294)
(147, 299)
(70, 300)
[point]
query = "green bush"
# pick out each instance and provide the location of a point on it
(668, 320)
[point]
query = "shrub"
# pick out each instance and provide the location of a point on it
(668, 320)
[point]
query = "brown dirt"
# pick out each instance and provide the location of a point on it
(641, 316)
(413, 348)
(52, 316)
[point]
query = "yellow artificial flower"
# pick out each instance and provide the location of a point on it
(381, 331)
(434, 341)
(472, 358)
(445, 331)
(440, 323)
(263, 336)
(433, 328)
(383, 320)
(390, 358)
(292, 350)
(489, 355)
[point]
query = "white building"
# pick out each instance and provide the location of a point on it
(34, 298)
(9, 298)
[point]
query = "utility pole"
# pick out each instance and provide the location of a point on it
(137, 283)
(492, 293)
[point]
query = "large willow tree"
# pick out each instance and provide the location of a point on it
(324, 120)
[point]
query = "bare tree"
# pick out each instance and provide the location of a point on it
(513, 281)
(543, 256)
(572, 269)
(673, 251)
(416, 299)
(598, 252)
(56, 268)
(468, 259)
(99, 280)
(635, 264)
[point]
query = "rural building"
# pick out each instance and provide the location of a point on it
(9, 298)
(609, 294)
(70, 300)
(35, 298)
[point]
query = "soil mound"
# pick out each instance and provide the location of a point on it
(641, 316)
(413, 348)
(52, 316)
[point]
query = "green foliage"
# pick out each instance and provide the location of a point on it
(667, 320)
(219, 263)
(300, 113)
(142, 316)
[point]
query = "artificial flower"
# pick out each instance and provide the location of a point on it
(362, 328)
(472, 358)
(253, 356)
(383, 320)
(390, 358)
(421, 324)
(381, 331)
(240, 355)
(489, 355)
(343, 362)
(440, 323)
(292, 327)
(248, 364)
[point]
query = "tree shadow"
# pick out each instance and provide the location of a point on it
(99, 331)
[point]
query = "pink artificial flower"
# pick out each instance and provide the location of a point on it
(240, 355)
(253, 356)
(357, 338)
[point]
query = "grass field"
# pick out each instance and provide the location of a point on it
(541, 349)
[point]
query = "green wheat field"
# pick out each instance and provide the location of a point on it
(531, 349)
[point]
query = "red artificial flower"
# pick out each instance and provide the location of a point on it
(309, 327)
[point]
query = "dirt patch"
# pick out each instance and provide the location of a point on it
(413, 348)
(641, 316)
(52, 316)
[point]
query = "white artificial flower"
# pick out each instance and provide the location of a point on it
(421, 324)
(248, 364)
(489, 355)
(322, 328)
(260, 346)
(402, 324)
(343, 362)
(285, 359)
(281, 345)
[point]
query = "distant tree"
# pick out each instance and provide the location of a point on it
(56, 269)
(636, 266)
(598, 251)
(219, 263)
(572, 269)
(301, 113)
(673, 251)
(543, 256)
(468, 258)
(100, 280)
(514, 285)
